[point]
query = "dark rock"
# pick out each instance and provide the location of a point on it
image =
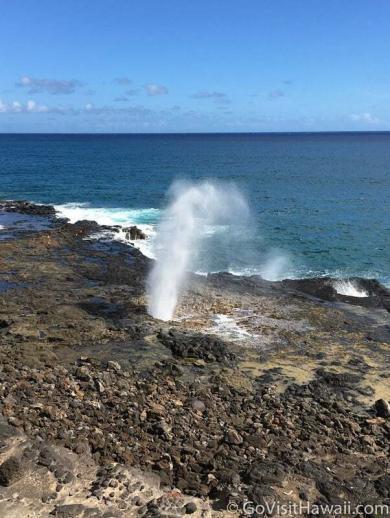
(267, 473)
(382, 485)
(82, 228)
(47, 457)
(133, 233)
(382, 408)
(11, 471)
(323, 288)
(229, 477)
(262, 495)
(332, 491)
(71, 511)
(320, 287)
(205, 347)
(25, 207)
(190, 508)
(6, 431)
(334, 379)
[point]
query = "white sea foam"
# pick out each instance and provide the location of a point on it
(275, 266)
(2, 227)
(145, 219)
(348, 288)
(228, 327)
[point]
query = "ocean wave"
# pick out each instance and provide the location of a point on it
(342, 283)
(145, 219)
(108, 216)
(275, 266)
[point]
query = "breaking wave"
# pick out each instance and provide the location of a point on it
(145, 219)
(273, 266)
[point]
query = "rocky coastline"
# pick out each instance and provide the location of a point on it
(107, 412)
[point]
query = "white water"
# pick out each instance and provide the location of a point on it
(348, 288)
(228, 327)
(145, 219)
(194, 210)
(273, 266)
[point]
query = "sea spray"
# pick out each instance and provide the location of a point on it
(195, 210)
(275, 266)
(349, 288)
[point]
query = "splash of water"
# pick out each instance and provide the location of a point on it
(348, 288)
(194, 210)
(276, 266)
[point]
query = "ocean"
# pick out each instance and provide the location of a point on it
(319, 202)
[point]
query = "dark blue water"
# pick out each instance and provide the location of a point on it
(321, 201)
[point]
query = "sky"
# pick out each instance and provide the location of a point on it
(203, 66)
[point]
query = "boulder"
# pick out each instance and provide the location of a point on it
(382, 408)
(11, 471)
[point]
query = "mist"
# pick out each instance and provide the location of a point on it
(195, 211)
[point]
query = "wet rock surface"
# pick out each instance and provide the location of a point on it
(107, 412)
(25, 207)
(133, 233)
(324, 288)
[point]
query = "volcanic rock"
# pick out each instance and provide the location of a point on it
(382, 408)
(133, 233)
(204, 347)
(11, 470)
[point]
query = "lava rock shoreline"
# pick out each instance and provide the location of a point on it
(108, 412)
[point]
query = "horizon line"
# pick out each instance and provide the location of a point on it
(329, 132)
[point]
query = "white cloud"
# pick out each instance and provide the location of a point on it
(32, 106)
(153, 89)
(25, 81)
(366, 117)
(18, 107)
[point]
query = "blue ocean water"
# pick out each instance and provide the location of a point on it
(319, 202)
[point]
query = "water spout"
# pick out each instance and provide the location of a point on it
(194, 209)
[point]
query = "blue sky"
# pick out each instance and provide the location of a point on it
(209, 65)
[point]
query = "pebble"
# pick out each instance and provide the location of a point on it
(190, 508)
(198, 405)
